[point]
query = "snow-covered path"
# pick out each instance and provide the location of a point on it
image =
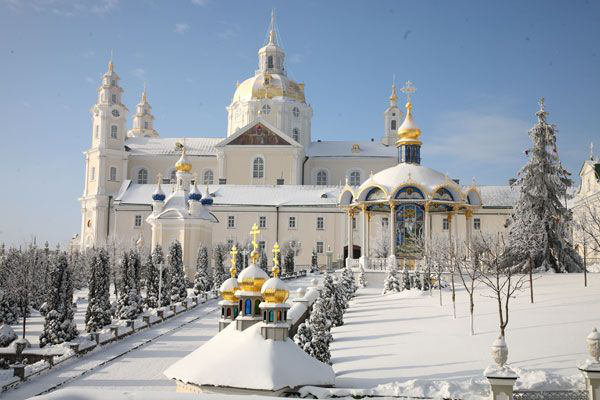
(132, 363)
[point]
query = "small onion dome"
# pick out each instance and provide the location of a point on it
(275, 291)
(158, 194)
(183, 165)
(228, 289)
(195, 193)
(207, 201)
(408, 132)
(252, 278)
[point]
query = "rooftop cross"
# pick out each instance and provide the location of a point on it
(254, 232)
(233, 260)
(408, 89)
(276, 250)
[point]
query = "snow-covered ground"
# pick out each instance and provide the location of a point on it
(407, 336)
(135, 363)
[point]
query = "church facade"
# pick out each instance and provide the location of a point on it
(266, 170)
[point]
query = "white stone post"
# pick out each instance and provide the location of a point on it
(591, 367)
(392, 264)
(350, 237)
(500, 376)
(364, 259)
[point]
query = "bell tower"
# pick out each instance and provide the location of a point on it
(391, 119)
(143, 120)
(105, 160)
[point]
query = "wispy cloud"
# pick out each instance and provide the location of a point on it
(296, 58)
(181, 28)
(104, 6)
(201, 3)
(63, 8)
(139, 73)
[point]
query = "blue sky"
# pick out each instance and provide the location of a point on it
(479, 67)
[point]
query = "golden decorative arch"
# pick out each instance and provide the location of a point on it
(456, 192)
(408, 183)
(363, 193)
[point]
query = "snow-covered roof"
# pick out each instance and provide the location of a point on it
(277, 195)
(195, 146)
(244, 359)
(347, 148)
(498, 196)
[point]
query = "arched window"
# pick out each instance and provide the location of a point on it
(322, 178)
(248, 307)
(270, 62)
(258, 168)
(271, 316)
(296, 112)
(257, 307)
(142, 177)
(208, 177)
(113, 131)
(112, 175)
(173, 176)
(266, 109)
(393, 125)
(354, 178)
(278, 315)
(296, 134)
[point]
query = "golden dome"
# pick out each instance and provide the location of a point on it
(275, 291)
(252, 278)
(183, 165)
(228, 289)
(268, 86)
(408, 132)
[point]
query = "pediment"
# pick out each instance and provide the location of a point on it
(259, 135)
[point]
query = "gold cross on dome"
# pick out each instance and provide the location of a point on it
(254, 232)
(233, 254)
(408, 89)
(276, 250)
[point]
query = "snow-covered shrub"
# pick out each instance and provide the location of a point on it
(362, 278)
(202, 279)
(333, 301)
(175, 262)
(98, 311)
(7, 335)
(406, 284)
(391, 283)
(319, 330)
(303, 338)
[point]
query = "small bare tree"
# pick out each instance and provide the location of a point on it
(587, 231)
(469, 271)
(439, 254)
(499, 277)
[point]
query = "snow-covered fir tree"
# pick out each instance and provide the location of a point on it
(362, 278)
(303, 338)
(162, 286)
(152, 281)
(348, 284)
(264, 261)
(543, 184)
(406, 284)
(175, 261)
(202, 279)
(288, 261)
(97, 314)
(314, 261)
(418, 279)
(219, 273)
(391, 283)
(320, 331)
(58, 325)
(129, 305)
(333, 301)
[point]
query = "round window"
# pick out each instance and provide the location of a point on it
(115, 113)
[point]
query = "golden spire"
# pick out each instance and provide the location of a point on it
(394, 96)
(144, 94)
(254, 232)
(276, 250)
(110, 63)
(408, 132)
(233, 254)
(272, 34)
(183, 165)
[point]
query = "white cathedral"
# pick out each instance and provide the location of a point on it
(266, 170)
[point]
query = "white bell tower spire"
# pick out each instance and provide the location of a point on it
(271, 56)
(391, 117)
(143, 120)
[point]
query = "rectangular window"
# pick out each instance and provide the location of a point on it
(477, 224)
(353, 222)
(230, 243)
(320, 223)
(112, 176)
(93, 174)
(445, 224)
(262, 246)
(319, 247)
(292, 223)
(262, 222)
(145, 124)
(113, 82)
(385, 222)
(231, 221)
(113, 131)
(137, 221)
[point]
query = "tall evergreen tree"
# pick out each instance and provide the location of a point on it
(406, 284)
(319, 332)
(333, 301)
(219, 273)
(152, 281)
(59, 326)
(129, 304)
(288, 261)
(202, 279)
(164, 284)
(175, 261)
(97, 314)
(538, 226)
(303, 338)
(264, 261)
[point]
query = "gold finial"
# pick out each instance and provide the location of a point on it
(394, 96)
(254, 232)
(144, 93)
(276, 250)
(183, 165)
(110, 63)
(233, 254)
(272, 35)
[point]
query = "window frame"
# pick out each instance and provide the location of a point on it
(352, 174)
(212, 177)
(292, 222)
(142, 180)
(231, 222)
(112, 174)
(137, 221)
(265, 109)
(296, 112)
(320, 223)
(92, 173)
(319, 177)
(445, 224)
(477, 224)
(296, 134)
(319, 247)
(258, 167)
(114, 129)
(262, 222)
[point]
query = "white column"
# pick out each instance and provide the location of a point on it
(368, 248)
(363, 255)
(392, 222)
(427, 230)
(350, 232)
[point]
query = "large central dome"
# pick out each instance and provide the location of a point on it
(266, 85)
